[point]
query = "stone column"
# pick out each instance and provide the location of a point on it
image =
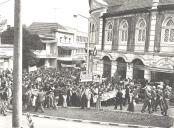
(153, 25)
(101, 68)
(129, 72)
(147, 75)
(101, 29)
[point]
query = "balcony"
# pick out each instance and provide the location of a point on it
(49, 41)
(77, 57)
(43, 54)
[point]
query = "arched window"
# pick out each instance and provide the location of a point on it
(141, 31)
(108, 33)
(168, 30)
(124, 31)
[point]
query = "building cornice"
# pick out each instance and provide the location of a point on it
(96, 10)
(126, 12)
(138, 10)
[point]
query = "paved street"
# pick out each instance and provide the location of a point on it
(49, 123)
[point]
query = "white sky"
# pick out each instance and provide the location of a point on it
(60, 11)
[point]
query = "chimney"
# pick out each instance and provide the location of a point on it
(155, 4)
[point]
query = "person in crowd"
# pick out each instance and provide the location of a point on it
(64, 96)
(83, 99)
(88, 96)
(119, 99)
(64, 88)
(154, 97)
(148, 98)
(40, 101)
(3, 108)
(127, 94)
(166, 96)
(56, 97)
(131, 104)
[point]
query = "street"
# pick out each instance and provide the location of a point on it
(6, 122)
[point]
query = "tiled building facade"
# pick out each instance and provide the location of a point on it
(134, 38)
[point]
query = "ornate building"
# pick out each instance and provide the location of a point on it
(133, 38)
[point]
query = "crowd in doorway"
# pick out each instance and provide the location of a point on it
(51, 88)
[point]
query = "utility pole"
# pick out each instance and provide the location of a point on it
(17, 68)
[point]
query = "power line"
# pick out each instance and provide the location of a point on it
(4, 2)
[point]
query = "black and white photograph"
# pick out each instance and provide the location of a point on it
(86, 63)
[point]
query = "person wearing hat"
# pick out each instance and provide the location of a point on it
(159, 96)
(166, 96)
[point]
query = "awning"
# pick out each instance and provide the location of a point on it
(70, 46)
(164, 70)
(154, 69)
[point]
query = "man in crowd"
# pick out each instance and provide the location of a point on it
(40, 101)
(148, 98)
(119, 99)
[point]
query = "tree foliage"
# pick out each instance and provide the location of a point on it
(30, 42)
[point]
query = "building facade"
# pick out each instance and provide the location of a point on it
(63, 45)
(133, 38)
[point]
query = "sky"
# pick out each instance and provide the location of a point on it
(60, 11)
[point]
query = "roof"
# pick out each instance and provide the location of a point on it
(43, 28)
(125, 5)
(130, 5)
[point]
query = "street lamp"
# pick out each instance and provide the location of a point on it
(87, 61)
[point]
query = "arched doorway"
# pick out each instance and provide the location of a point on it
(106, 67)
(121, 67)
(138, 69)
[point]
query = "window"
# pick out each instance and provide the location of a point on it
(168, 30)
(124, 31)
(141, 31)
(108, 33)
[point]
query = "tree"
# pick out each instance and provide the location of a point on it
(3, 22)
(30, 42)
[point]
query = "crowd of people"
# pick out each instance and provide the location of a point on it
(152, 94)
(50, 88)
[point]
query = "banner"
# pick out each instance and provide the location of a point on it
(85, 77)
(97, 78)
(34, 68)
(108, 95)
